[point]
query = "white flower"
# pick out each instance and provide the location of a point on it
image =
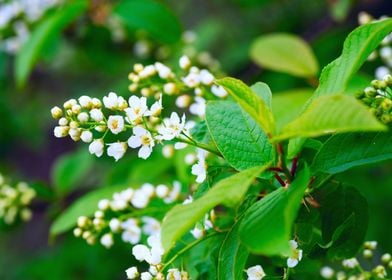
(117, 150)
(137, 109)
(183, 101)
(163, 71)
(116, 124)
(174, 194)
(96, 147)
(115, 225)
(85, 101)
(206, 77)
(180, 146)
(61, 131)
(192, 80)
(132, 234)
(218, 91)
(386, 52)
(255, 273)
(86, 136)
(56, 112)
(151, 226)
(118, 203)
(132, 272)
(147, 71)
(199, 169)
(381, 72)
(127, 194)
(148, 189)
(190, 158)
(184, 62)
(296, 254)
(168, 151)
(156, 108)
(350, 263)
(173, 274)
(172, 127)
(327, 272)
(96, 115)
(199, 107)
(141, 252)
(111, 101)
(140, 199)
(145, 276)
(170, 88)
(63, 121)
(162, 191)
(83, 117)
(107, 240)
(197, 233)
(141, 138)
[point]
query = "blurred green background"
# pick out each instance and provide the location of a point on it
(91, 52)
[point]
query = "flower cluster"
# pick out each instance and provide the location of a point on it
(191, 86)
(120, 215)
(378, 96)
(133, 122)
(353, 270)
(152, 254)
(145, 48)
(14, 201)
(16, 16)
(384, 52)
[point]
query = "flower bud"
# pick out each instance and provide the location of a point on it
(56, 112)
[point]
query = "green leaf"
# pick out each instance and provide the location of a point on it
(232, 257)
(84, 206)
(331, 114)
(288, 105)
(264, 92)
(266, 225)
(344, 220)
(285, 53)
(70, 170)
(229, 192)
(250, 102)
(237, 136)
(42, 36)
(357, 48)
(342, 152)
(151, 16)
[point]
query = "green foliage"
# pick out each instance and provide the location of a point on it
(344, 220)
(43, 35)
(151, 16)
(181, 218)
(237, 136)
(70, 170)
(252, 103)
(357, 47)
(264, 92)
(342, 152)
(285, 53)
(331, 114)
(232, 256)
(266, 225)
(84, 206)
(287, 105)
